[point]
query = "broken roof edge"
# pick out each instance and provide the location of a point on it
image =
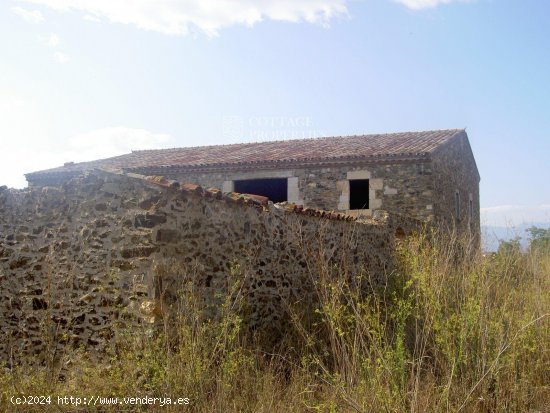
(257, 201)
(263, 203)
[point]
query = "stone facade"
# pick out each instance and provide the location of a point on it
(442, 188)
(402, 188)
(431, 176)
(456, 187)
(78, 260)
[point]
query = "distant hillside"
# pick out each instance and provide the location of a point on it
(491, 235)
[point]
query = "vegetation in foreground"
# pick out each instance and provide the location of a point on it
(446, 335)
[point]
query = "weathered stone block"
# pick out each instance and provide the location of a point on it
(123, 265)
(149, 220)
(167, 235)
(142, 251)
(101, 207)
(363, 174)
(19, 262)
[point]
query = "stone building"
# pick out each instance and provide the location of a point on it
(93, 247)
(431, 176)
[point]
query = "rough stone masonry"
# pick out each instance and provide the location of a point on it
(79, 259)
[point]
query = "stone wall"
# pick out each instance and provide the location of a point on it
(78, 261)
(404, 188)
(456, 184)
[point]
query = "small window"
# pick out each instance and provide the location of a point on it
(275, 189)
(471, 207)
(359, 194)
(457, 204)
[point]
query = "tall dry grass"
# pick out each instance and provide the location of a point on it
(452, 331)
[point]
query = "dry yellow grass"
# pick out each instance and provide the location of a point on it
(448, 334)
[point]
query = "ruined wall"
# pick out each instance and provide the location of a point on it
(80, 260)
(72, 264)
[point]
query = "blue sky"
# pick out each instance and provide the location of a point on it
(84, 79)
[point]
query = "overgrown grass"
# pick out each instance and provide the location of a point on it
(445, 335)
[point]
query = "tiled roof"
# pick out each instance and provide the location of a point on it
(403, 145)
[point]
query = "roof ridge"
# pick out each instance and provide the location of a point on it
(456, 130)
(392, 146)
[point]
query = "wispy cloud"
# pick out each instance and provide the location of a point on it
(31, 16)
(61, 57)
(32, 150)
(424, 4)
(91, 18)
(106, 142)
(179, 17)
(53, 40)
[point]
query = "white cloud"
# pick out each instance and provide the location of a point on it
(61, 57)
(22, 130)
(178, 17)
(106, 142)
(423, 4)
(53, 40)
(31, 16)
(512, 215)
(34, 150)
(91, 18)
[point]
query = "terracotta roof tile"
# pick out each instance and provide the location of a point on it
(393, 145)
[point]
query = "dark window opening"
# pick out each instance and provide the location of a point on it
(359, 194)
(273, 188)
(471, 207)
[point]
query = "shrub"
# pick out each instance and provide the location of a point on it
(444, 334)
